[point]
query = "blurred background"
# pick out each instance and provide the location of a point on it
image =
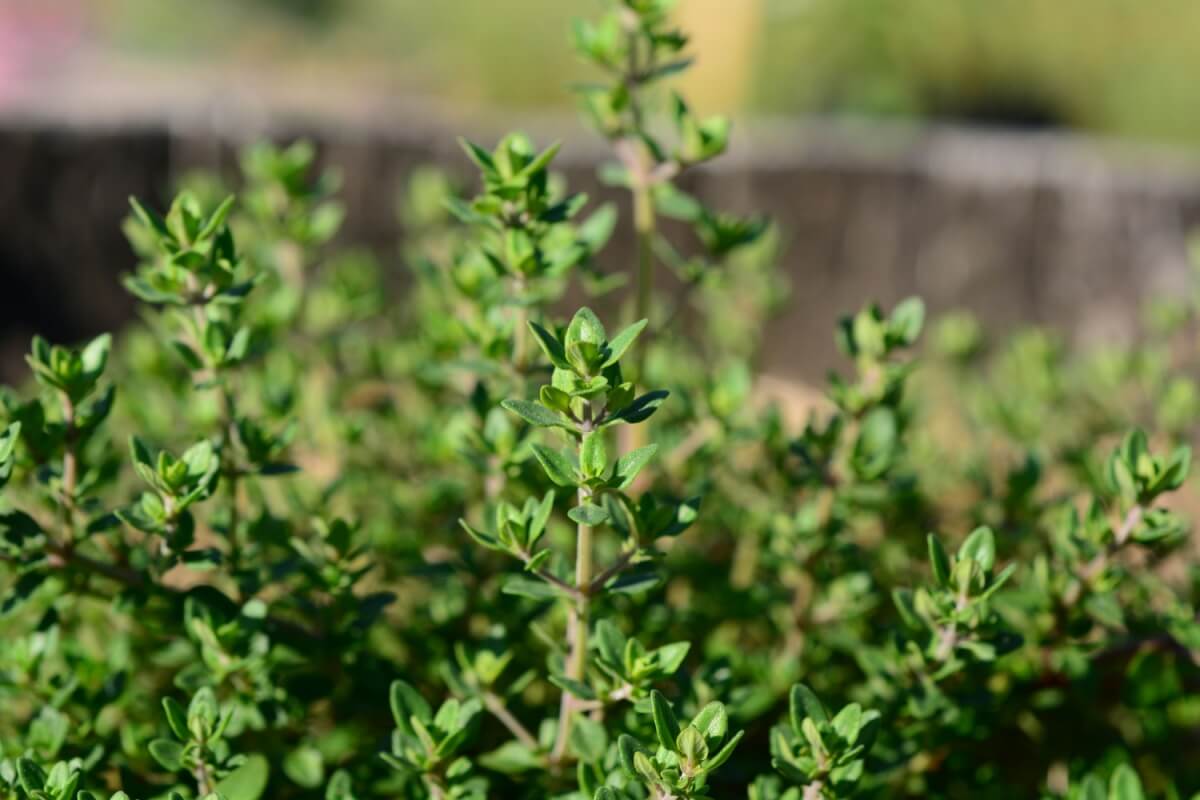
(1116, 67)
(1028, 160)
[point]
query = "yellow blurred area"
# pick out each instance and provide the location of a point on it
(727, 36)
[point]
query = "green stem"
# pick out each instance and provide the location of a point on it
(70, 467)
(634, 436)
(520, 346)
(493, 703)
(521, 333)
(583, 579)
(641, 165)
(577, 629)
(203, 779)
(231, 476)
(644, 224)
(228, 426)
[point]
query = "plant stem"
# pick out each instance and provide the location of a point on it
(634, 436)
(70, 462)
(577, 628)
(62, 555)
(640, 164)
(231, 476)
(1128, 525)
(436, 790)
(496, 706)
(1095, 567)
(521, 331)
(614, 569)
(520, 346)
(645, 226)
(203, 779)
(493, 480)
(228, 416)
(70, 467)
(583, 579)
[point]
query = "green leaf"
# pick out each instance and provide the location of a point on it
(691, 746)
(167, 753)
(150, 219)
(666, 726)
(203, 714)
(848, 721)
(512, 758)
(634, 581)
(725, 752)
(21, 590)
(999, 581)
(627, 748)
(980, 547)
(94, 356)
(588, 739)
(8, 440)
(341, 787)
(557, 466)
(31, 777)
(1121, 479)
(533, 588)
(305, 766)
(712, 721)
(1134, 447)
(535, 414)
(200, 458)
(176, 718)
(575, 688)
(485, 539)
(622, 341)
(640, 409)
(481, 157)
(540, 516)
(588, 514)
(908, 317)
(1091, 788)
(804, 704)
(1176, 470)
(551, 346)
(939, 561)
(1105, 609)
(406, 703)
(630, 464)
(554, 399)
(593, 456)
(217, 218)
(1125, 784)
(142, 454)
(597, 229)
(247, 782)
(585, 328)
(542, 161)
(670, 656)
(904, 602)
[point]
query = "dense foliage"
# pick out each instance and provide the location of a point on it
(290, 539)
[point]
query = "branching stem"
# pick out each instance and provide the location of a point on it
(494, 704)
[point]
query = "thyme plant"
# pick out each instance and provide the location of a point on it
(295, 535)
